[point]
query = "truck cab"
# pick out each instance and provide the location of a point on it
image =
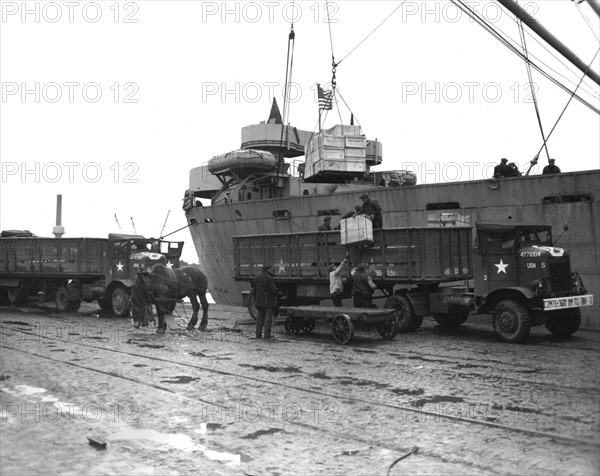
(523, 280)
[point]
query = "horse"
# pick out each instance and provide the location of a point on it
(162, 286)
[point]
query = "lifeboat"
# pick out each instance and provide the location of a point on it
(242, 162)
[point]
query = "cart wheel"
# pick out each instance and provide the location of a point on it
(389, 329)
(290, 326)
(308, 325)
(343, 329)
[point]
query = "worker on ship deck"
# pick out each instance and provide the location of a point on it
(551, 168)
(372, 209)
(326, 226)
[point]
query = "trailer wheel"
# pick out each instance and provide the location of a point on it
(389, 329)
(120, 302)
(342, 329)
(63, 301)
(512, 321)
(252, 309)
(563, 323)
(451, 320)
(406, 318)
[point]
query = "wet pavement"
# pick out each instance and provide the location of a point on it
(86, 393)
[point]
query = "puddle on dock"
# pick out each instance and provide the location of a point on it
(178, 441)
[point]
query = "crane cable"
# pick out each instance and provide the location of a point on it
(460, 4)
(531, 85)
(563, 111)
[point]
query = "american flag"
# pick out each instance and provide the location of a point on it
(325, 99)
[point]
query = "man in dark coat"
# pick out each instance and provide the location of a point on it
(362, 286)
(265, 294)
(372, 209)
(326, 226)
(550, 168)
(503, 169)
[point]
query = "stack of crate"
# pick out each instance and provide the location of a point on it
(337, 154)
(356, 230)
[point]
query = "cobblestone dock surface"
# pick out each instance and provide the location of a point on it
(86, 393)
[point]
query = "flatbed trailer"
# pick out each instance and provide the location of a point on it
(343, 320)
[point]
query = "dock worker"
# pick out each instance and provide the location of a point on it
(372, 209)
(515, 170)
(265, 294)
(353, 213)
(336, 285)
(551, 168)
(362, 286)
(503, 169)
(326, 226)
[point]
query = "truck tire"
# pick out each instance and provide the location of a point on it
(407, 320)
(454, 319)
(563, 323)
(63, 301)
(252, 309)
(17, 296)
(512, 321)
(120, 302)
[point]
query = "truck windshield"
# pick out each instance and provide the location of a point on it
(535, 236)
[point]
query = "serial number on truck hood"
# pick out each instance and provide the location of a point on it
(568, 302)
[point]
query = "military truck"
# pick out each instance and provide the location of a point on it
(511, 271)
(71, 270)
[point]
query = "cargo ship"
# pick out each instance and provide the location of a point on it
(265, 188)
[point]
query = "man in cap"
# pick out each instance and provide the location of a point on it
(265, 295)
(336, 285)
(362, 286)
(372, 209)
(503, 169)
(326, 226)
(550, 168)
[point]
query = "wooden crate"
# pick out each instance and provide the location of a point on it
(356, 230)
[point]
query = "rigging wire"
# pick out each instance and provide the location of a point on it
(531, 85)
(366, 37)
(460, 4)
(586, 19)
(567, 104)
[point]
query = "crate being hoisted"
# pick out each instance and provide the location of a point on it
(336, 155)
(356, 230)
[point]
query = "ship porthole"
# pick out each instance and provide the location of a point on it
(238, 215)
(305, 192)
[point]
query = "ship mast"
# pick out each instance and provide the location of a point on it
(549, 38)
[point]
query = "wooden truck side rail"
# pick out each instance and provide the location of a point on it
(397, 255)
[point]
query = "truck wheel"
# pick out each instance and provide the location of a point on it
(63, 301)
(511, 321)
(451, 320)
(120, 302)
(252, 309)
(17, 296)
(407, 321)
(563, 323)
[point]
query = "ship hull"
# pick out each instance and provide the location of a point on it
(564, 199)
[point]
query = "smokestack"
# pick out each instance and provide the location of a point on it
(58, 230)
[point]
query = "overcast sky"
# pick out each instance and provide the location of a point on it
(112, 103)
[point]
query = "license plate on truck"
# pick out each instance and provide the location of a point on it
(568, 302)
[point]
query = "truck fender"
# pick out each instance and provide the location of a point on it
(128, 283)
(516, 293)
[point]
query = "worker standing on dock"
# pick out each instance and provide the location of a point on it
(336, 286)
(265, 292)
(363, 286)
